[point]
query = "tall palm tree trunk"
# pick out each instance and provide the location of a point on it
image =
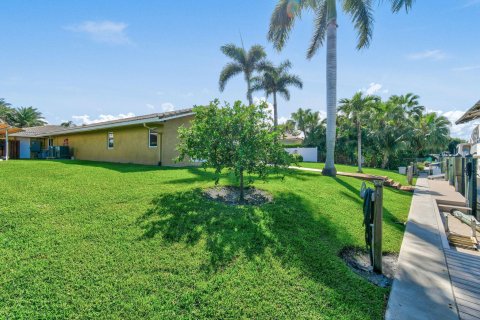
(275, 113)
(329, 169)
(359, 146)
(385, 160)
(249, 91)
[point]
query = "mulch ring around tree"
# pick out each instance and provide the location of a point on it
(231, 195)
(358, 260)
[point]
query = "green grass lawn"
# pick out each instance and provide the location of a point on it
(346, 168)
(85, 240)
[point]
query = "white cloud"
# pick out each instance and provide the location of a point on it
(85, 119)
(373, 88)
(282, 120)
(467, 68)
(103, 31)
(167, 106)
(150, 106)
(428, 55)
(462, 131)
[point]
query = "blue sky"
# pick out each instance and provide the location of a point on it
(92, 60)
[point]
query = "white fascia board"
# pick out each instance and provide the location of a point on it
(114, 125)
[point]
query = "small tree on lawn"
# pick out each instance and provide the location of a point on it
(238, 138)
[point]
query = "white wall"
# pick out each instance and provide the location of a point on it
(308, 154)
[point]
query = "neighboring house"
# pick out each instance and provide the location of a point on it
(290, 139)
(474, 144)
(150, 139)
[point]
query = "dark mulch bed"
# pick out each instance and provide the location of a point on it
(359, 261)
(230, 195)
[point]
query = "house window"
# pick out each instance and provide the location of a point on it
(110, 142)
(50, 142)
(152, 138)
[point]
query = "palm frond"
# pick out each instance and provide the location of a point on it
(290, 80)
(284, 93)
(257, 84)
(361, 12)
(236, 53)
(318, 38)
(285, 66)
(230, 70)
(283, 18)
(255, 55)
(397, 5)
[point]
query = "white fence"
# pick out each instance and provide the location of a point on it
(308, 154)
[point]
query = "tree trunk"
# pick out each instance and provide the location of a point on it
(242, 193)
(275, 112)
(385, 160)
(329, 169)
(359, 146)
(249, 93)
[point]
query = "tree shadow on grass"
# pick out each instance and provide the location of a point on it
(119, 167)
(291, 229)
(229, 177)
(285, 226)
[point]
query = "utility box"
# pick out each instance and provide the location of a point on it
(58, 152)
(471, 184)
(458, 172)
(451, 174)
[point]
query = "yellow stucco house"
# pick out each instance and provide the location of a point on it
(150, 139)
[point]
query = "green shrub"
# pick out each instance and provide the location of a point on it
(420, 166)
(296, 158)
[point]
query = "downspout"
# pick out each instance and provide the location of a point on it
(159, 144)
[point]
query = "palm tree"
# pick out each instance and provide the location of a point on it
(276, 80)
(409, 102)
(67, 124)
(306, 120)
(432, 132)
(361, 11)
(243, 62)
(5, 110)
(357, 109)
(289, 127)
(390, 130)
(27, 117)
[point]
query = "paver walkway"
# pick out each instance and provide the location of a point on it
(433, 281)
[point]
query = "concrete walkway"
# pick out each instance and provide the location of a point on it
(434, 280)
(422, 287)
